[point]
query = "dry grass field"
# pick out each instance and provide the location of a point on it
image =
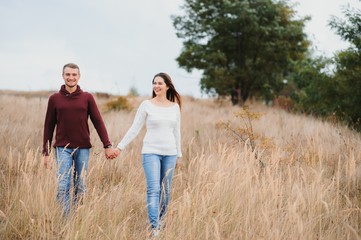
(307, 187)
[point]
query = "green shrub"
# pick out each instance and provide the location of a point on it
(121, 103)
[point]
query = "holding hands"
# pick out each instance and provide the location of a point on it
(111, 153)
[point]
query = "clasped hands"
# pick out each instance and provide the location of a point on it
(111, 153)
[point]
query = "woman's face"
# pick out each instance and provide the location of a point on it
(159, 86)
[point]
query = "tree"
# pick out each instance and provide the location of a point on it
(348, 67)
(244, 47)
(314, 89)
(336, 93)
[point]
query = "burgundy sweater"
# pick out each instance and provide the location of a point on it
(69, 113)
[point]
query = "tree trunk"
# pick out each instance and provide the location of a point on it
(235, 96)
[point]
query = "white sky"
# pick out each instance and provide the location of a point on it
(118, 44)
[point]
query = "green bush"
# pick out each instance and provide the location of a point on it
(121, 103)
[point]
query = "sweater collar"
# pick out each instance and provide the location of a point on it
(65, 92)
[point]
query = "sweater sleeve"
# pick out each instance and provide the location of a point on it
(177, 134)
(97, 121)
(49, 126)
(137, 125)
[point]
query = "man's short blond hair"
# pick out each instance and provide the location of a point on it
(71, 65)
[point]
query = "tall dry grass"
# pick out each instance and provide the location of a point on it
(308, 188)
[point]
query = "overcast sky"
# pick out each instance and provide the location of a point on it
(118, 44)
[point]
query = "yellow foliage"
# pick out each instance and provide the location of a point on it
(121, 103)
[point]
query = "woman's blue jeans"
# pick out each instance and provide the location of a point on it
(66, 159)
(158, 171)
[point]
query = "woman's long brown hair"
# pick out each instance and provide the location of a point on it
(172, 94)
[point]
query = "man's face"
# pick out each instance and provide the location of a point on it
(71, 77)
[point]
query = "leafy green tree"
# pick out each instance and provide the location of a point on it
(322, 92)
(348, 67)
(314, 88)
(244, 47)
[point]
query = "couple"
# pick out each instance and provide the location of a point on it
(69, 110)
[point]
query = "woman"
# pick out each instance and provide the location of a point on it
(161, 144)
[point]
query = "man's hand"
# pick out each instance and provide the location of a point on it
(46, 162)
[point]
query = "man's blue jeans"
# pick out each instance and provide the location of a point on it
(66, 158)
(158, 171)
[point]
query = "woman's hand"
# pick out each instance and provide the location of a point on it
(179, 163)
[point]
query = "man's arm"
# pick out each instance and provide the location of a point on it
(49, 126)
(99, 126)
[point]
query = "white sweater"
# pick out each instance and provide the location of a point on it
(163, 129)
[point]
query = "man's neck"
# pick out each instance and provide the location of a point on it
(71, 89)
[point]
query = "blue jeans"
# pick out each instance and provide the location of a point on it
(158, 171)
(66, 158)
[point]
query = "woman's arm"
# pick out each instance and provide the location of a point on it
(137, 125)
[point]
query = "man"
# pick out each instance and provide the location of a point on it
(69, 110)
